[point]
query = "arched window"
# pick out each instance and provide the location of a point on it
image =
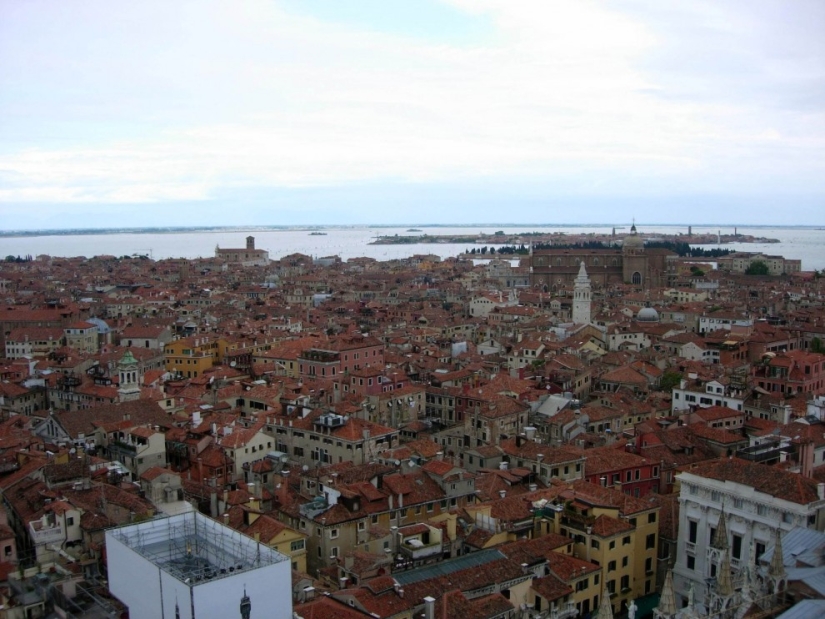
(558, 262)
(614, 262)
(637, 278)
(595, 262)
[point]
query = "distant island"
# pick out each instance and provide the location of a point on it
(413, 230)
(317, 234)
(545, 239)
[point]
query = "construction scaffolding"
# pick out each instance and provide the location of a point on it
(194, 548)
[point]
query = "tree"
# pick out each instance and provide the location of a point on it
(757, 267)
(670, 380)
(817, 346)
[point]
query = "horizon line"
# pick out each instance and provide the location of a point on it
(265, 227)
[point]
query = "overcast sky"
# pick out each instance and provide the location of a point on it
(398, 111)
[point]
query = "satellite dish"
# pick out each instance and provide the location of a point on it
(232, 364)
(305, 468)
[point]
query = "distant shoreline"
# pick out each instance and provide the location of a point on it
(309, 228)
(564, 239)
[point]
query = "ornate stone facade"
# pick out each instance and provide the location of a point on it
(551, 269)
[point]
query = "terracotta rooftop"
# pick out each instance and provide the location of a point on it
(767, 479)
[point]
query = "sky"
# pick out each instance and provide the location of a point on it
(266, 112)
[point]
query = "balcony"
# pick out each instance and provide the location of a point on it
(576, 520)
(417, 548)
(317, 506)
(565, 611)
(765, 452)
(46, 532)
(121, 448)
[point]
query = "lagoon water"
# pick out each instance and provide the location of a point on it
(805, 243)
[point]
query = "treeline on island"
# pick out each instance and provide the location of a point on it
(682, 249)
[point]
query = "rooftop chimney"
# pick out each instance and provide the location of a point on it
(429, 607)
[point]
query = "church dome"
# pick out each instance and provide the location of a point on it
(633, 240)
(647, 314)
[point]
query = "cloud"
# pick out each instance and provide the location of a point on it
(158, 102)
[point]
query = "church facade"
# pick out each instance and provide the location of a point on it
(633, 264)
(248, 256)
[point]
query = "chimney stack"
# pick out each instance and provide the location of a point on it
(429, 607)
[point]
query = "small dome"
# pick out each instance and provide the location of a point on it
(633, 241)
(647, 314)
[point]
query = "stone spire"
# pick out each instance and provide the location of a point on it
(691, 601)
(605, 609)
(750, 588)
(724, 583)
(690, 611)
(667, 600)
(777, 568)
(720, 538)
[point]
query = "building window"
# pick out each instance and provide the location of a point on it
(691, 562)
(715, 496)
(651, 517)
(611, 566)
(693, 528)
(625, 540)
(761, 510)
(650, 541)
(333, 533)
(624, 561)
(297, 545)
(736, 548)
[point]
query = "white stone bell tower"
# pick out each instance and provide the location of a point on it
(581, 297)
